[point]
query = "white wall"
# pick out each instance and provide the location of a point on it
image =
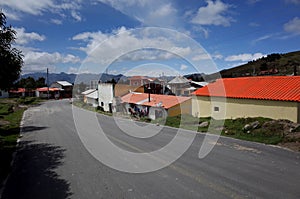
(3, 94)
(106, 95)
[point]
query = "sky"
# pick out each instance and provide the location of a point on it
(150, 37)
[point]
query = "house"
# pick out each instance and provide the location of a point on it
(21, 92)
(156, 106)
(153, 84)
(106, 96)
(85, 93)
(4, 94)
(43, 92)
(180, 86)
(92, 98)
(65, 87)
(139, 80)
(276, 97)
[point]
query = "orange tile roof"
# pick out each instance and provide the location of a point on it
(46, 89)
(20, 90)
(283, 88)
(167, 101)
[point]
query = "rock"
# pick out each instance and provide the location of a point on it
(251, 126)
(247, 127)
(203, 124)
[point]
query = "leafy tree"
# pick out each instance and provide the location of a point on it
(40, 82)
(11, 59)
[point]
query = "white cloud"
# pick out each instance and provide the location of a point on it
(244, 57)
(56, 21)
(39, 7)
(293, 26)
(76, 15)
(201, 57)
(35, 60)
(264, 37)
(159, 13)
(119, 46)
(24, 37)
(213, 14)
(183, 67)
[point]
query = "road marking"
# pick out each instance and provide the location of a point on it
(199, 179)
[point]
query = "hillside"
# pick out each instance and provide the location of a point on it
(273, 64)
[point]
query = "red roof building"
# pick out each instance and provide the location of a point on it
(159, 105)
(276, 97)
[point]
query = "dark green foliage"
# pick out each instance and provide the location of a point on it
(11, 59)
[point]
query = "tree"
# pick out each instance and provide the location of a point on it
(40, 82)
(11, 59)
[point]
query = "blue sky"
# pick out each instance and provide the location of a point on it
(149, 37)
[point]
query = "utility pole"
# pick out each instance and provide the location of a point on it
(48, 83)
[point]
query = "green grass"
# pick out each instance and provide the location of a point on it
(272, 134)
(10, 118)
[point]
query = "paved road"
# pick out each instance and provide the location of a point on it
(53, 163)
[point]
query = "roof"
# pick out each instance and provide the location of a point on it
(46, 89)
(20, 90)
(88, 91)
(282, 88)
(64, 83)
(179, 80)
(138, 77)
(166, 101)
(93, 95)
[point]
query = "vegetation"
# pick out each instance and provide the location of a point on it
(11, 59)
(267, 131)
(10, 117)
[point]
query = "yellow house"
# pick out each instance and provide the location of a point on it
(276, 97)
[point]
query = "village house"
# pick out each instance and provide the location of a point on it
(106, 96)
(43, 92)
(65, 87)
(153, 85)
(155, 106)
(90, 97)
(4, 94)
(276, 97)
(180, 86)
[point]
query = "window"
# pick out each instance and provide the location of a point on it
(216, 109)
(102, 104)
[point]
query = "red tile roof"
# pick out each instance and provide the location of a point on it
(167, 101)
(283, 88)
(46, 89)
(20, 90)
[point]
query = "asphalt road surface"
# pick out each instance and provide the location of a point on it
(52, 162)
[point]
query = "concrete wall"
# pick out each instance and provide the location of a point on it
(239, 108)
(106, 95)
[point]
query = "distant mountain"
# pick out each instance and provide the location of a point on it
(72, 78)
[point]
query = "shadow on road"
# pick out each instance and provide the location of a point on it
(34, 175)
(26, 129)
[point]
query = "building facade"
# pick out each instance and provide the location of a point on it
(275, 97)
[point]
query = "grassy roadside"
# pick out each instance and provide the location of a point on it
(265, 130)
(11, 112)
(90, 108)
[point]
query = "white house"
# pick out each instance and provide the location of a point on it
(105, 96)
(4, 94)
(92, 98)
